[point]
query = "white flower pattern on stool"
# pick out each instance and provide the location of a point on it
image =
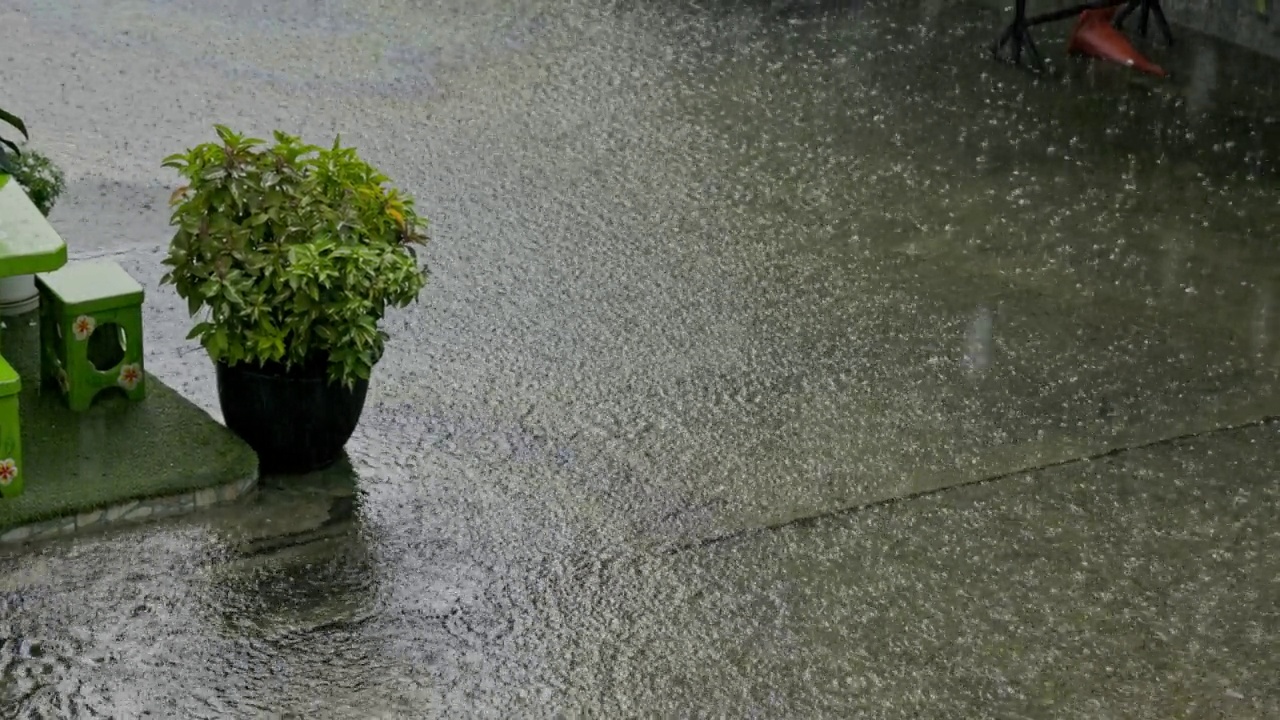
(83, 327)
(8, 471)
(130, 376)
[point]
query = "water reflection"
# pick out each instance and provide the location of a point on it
(308, 564)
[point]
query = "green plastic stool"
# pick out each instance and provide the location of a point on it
(10, 433)
(91, 332)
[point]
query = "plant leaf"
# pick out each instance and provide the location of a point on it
(15, 121)
(295, 250)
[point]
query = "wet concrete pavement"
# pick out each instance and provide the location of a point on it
(702, 272)
(1141, 587)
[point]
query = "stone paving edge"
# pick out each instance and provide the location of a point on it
(129, 512)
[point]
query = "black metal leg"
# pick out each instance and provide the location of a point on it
(1005, 37)
(1035, 52)
(1125, 12)
(1148, 9)
(1017, 36)
(1161, 23)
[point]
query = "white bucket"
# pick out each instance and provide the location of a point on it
(18, 295)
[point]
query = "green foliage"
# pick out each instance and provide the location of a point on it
(8, 148)
(39, 177)
(293, 252)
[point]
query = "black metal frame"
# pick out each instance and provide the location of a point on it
(1018, 34)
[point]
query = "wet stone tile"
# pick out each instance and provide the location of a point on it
(49, 529)
(17, 534)
(139, 512)
(89, 519)
(172, 505)
(228, 493)
(117, 512)
(133, 511)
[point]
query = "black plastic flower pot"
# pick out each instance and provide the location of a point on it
(296, 421)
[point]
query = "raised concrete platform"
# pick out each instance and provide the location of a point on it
(118, 462)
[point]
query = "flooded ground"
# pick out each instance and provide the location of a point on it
(708, 279)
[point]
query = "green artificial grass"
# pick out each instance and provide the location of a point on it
(117, 451)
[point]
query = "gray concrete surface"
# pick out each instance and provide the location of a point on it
(708, 278)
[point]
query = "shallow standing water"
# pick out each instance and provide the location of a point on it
(700, 270)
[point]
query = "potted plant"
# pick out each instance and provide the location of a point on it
(43, 183)
(290, 254)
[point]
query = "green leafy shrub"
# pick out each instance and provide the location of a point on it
(292, 252)
(37, 175)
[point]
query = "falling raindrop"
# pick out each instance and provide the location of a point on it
(1262, 321)
(978, 340)
(1204, 76)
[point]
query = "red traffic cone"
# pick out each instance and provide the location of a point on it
(1094, 35)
